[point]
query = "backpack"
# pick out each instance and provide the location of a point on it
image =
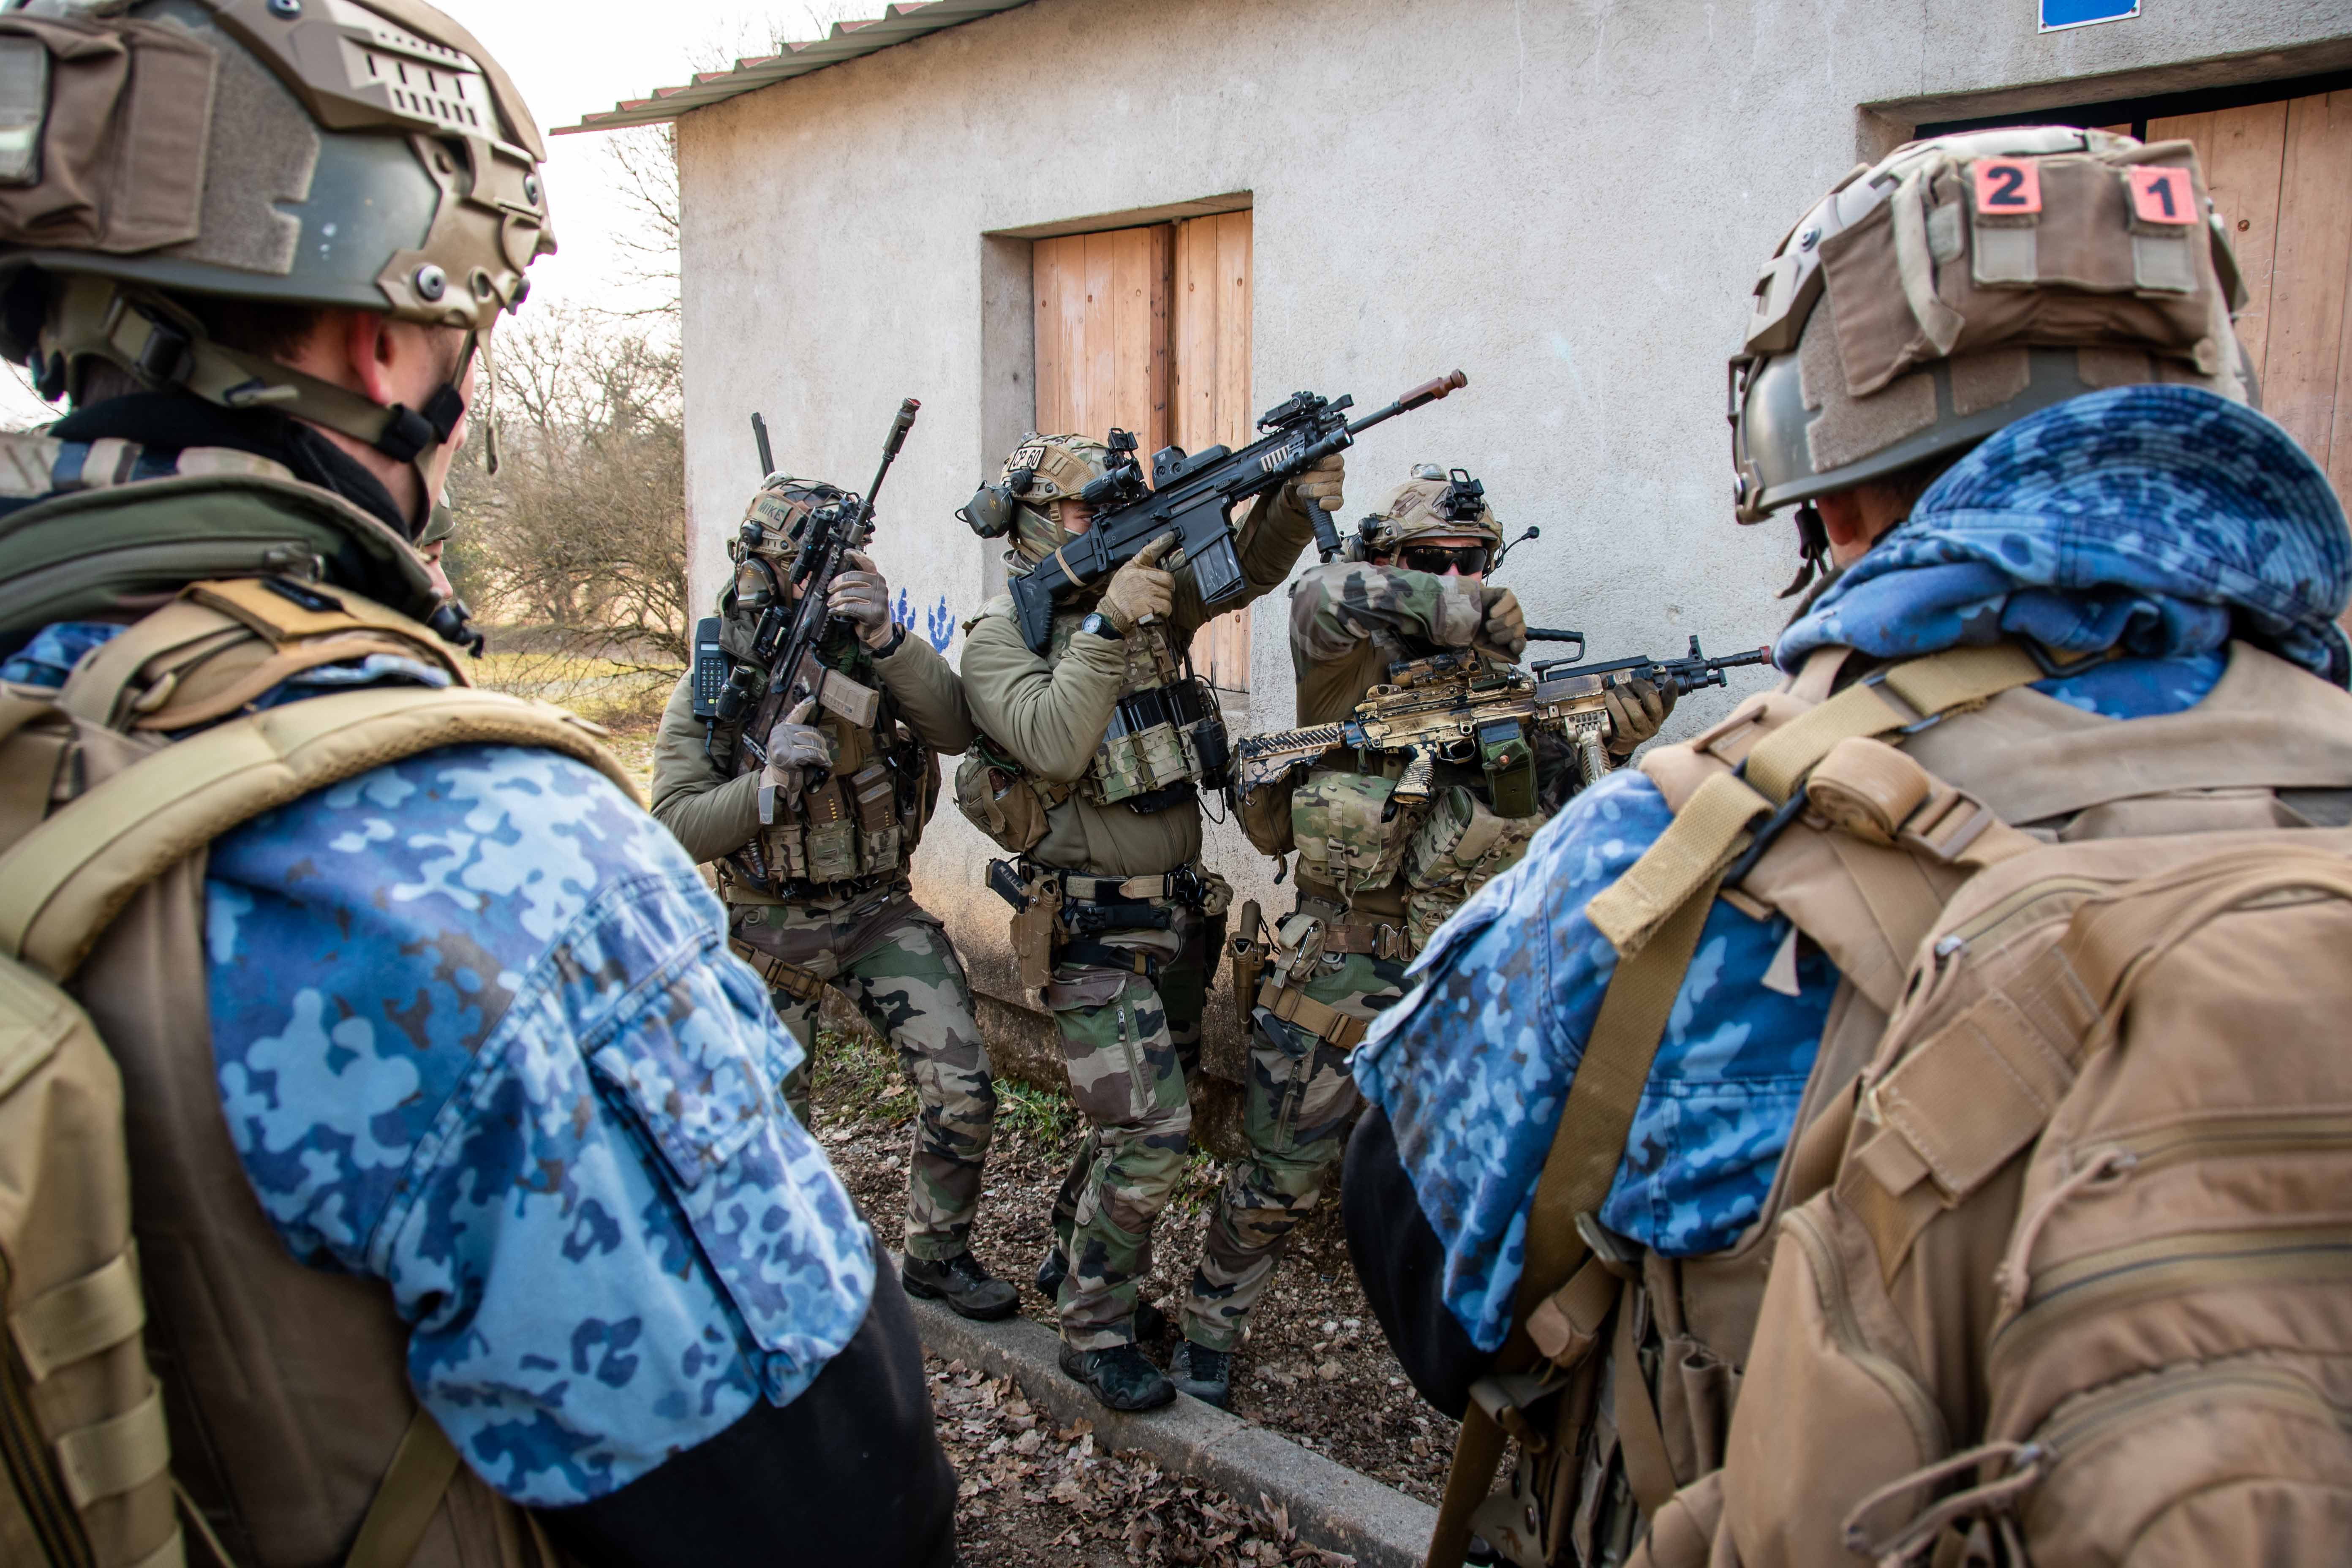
(1696, 1388)
(85, 1453)
(2080, 1289)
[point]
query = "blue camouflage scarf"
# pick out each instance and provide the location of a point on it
(2162, 519)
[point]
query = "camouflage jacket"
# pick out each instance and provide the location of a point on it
(713, 814)
(1351, 620)
(503, 1062)
(1049, 712)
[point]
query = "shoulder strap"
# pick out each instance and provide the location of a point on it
(1654, 915)
(64, 881)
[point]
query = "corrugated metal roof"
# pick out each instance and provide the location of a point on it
(897, 24)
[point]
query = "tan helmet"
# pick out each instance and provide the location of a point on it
(1024, 501)
(767, 543)
(367, 154)
(1964, 282)
(1434, 504)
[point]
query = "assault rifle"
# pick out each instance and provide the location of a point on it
(1467, 708)
(784, 671)
(1195, 496)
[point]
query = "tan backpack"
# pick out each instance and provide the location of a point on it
(92, 812)
(2062, 1086)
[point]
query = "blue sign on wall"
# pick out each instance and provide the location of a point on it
(2061, 14)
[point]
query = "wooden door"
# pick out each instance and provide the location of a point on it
(1148, 329)
(2281, 175)
(1212, 388)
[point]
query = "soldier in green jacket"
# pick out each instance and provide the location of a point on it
(1374, 882)
(820, 896)
(1093, 756)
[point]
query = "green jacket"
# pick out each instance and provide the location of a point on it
(713, 814)
(1048, 712)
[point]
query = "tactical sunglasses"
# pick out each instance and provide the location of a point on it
(1437, 558)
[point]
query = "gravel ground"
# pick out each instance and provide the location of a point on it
(1315, 1367)
(1031, 1492)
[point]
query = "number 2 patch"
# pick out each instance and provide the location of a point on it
(2008, 186)
(2161, 195)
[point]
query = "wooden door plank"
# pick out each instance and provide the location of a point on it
(2244, 154)
(1193, 333)
(1236, 416)
(2309, 276)
(1054, 264)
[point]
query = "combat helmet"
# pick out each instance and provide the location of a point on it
(1434, 504)
(768, 541)
(1025, 500)
(156, 155)
(1962, 283)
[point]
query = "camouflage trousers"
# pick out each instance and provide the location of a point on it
(1297, 1108)
(897, 965)
(1132, 1044)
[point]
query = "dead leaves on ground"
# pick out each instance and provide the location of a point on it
(1013, 1461)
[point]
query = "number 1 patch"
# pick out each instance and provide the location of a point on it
(2007, 186)
(2161, 195)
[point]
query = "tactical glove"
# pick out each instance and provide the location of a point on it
(1505, 625)
(1319, 486)
(1140, 591)
(794, 745)
(1637, 710)
(862, 598)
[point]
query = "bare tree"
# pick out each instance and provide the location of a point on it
(578, 543)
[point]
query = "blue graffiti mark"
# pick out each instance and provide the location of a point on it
(939, 628)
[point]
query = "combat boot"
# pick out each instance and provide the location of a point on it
(968, 1289)
(1206, 1374)
(1120, 1377)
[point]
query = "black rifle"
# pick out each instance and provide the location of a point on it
(1194, 496)
(1559, 677)
(784, 644)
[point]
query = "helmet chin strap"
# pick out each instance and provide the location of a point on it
(166, 347)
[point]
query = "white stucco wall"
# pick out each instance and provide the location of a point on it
(1567, 200)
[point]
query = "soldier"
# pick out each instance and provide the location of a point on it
(806, 920)
(1091, 771)
(2080, 587)
(458, 1183)
(1415, 584)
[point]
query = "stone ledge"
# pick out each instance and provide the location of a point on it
(1329, 1505)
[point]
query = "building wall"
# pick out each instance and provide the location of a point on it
(1568, 201)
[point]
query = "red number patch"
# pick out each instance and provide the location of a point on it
(2008, 186)
(2161, 195)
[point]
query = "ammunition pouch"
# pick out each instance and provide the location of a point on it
(1164, 744)
(1264, 813)
(1458, 848)
(1350, 830)
(1004, 800)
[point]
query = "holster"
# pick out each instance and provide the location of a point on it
(1036, 929)
(1249, 953)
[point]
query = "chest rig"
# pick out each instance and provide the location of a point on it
(1166, 740)
(857, 824)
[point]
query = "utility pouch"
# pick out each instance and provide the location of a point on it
(85, 162)
(1463, 846)
(1263, 810)
(1510, 764)
(1037, 933)
(1350, 830)
(997, 796)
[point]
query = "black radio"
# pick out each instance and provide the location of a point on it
(711, 667)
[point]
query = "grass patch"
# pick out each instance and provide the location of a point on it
(857, 1079)
(1042, 1119)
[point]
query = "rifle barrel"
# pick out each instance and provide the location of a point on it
(1428, 392)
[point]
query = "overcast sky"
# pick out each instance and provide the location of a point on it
(573, 58)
